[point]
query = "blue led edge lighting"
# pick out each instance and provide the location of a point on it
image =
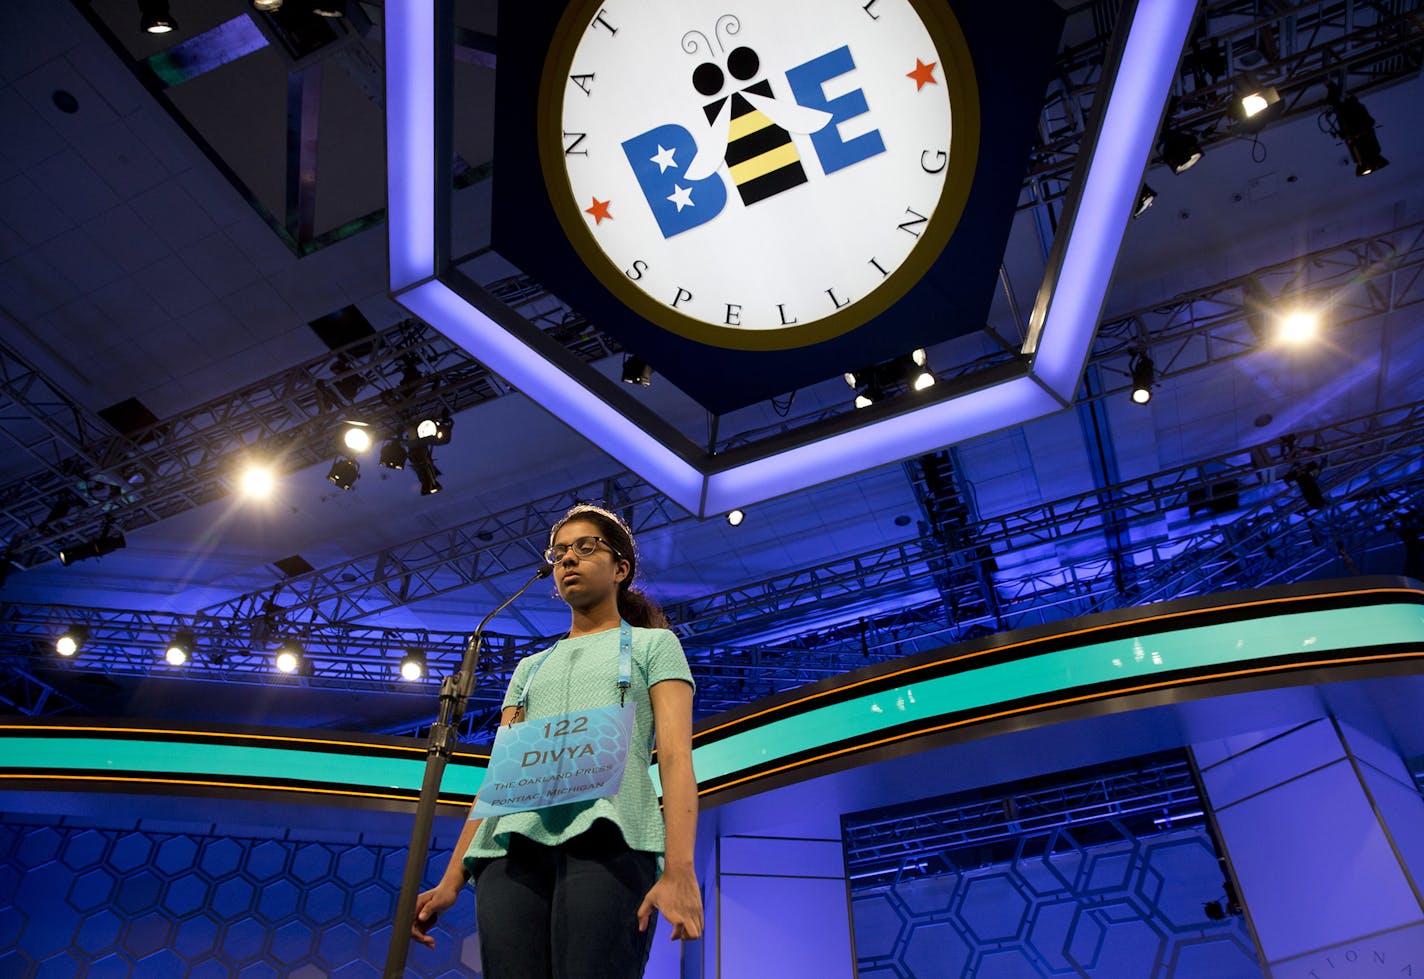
(507, 356)
(1157, 35)
(1120, 155)
(410, 140)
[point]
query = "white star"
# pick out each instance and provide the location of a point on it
(664, 159)
(682, 197)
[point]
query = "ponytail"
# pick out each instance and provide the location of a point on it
(638, 609)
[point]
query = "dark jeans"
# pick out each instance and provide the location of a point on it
(567, 911)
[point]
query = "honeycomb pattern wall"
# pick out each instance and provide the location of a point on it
(93, 902)
(1128, 909)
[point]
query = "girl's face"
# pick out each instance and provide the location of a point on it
(584, 581)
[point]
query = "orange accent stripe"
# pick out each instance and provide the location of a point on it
(1031, 642)
(45, 777)
(228, 735)
(1062, 703)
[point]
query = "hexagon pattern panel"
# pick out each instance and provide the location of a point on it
(82, 903)
(1128, 909)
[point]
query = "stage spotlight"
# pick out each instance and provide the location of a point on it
(850, 379)
(1144, 373)
(180, 648)
(329, 8)
(344, 473)
(636, 370)
(105, 543)
(155, 17)
(867, 397)
(1298, 326)
(266, 6)
(1351, 122)
(1146, 197)
(393, 455)
(919, 374)
(412, 665)
(357, 436)
(735, 517)
(1180, 150)
(1304, 476)
(71, 640)
(290, 657)
(257, 482)
(422, 462)
(435, 430)
(1254, 103)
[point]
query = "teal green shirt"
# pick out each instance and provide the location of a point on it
(581, 674)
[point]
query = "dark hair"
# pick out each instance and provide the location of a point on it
(635, 607)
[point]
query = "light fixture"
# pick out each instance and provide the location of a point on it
(155, 17)
(290, 657)
(636, 370)
(105, 543)
(357, 436)
(850, 379)
(1144, 372)
(266, 6)
(344, 473)
(435, 430)
(412, 665)
(393, 454)
(422, 462)
(867, 397)
(1298, 326)
(1146, 197)
(257, 481)
(735, 517)
(1304, 474)
(71, 640)
(1255, 103)
(921, 377)
(1180, 150)
(180, 648)
(1351, 122)
(329, 8)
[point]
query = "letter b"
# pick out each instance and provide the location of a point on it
(709, 195)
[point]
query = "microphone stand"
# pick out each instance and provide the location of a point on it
(454, 693)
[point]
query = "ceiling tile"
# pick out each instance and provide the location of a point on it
(125, 238)
(74, 186)
(30, 212)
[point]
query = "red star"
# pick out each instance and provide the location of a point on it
(599, 211)
(923, 74)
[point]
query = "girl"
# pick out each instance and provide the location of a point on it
(569, 890)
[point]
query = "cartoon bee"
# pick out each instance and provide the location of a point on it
(749, 129)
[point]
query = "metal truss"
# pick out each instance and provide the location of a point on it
(1296, 46)
(955, 834)
(95, 477)
(511, 540)
(24, 693)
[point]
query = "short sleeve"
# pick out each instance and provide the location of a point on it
(516, 683)
(666, 660)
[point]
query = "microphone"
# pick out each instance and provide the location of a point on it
(544, 572)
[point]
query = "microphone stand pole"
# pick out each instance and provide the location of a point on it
(455, 690)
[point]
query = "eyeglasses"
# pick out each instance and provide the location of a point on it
(583, 547)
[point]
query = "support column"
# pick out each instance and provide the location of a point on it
(1323, 830)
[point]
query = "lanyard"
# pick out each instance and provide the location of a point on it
(625, 665)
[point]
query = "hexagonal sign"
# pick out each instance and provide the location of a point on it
(1043, 380)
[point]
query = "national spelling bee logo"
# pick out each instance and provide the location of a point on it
(771, 181)
(747, 134)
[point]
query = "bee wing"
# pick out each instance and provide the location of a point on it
(711, 145)
(790, 116)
